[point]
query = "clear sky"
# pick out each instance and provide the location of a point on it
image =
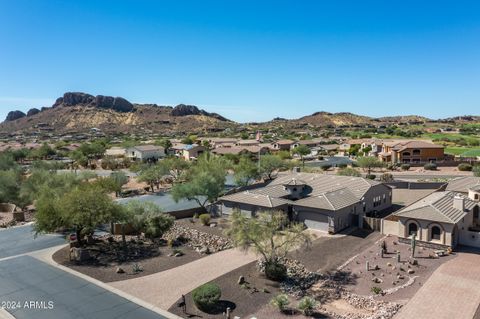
(247, 60)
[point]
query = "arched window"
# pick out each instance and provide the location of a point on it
(406, 154)
(412, 229)
(416, 152)
(435, 233)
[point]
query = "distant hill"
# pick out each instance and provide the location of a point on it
(79, 112)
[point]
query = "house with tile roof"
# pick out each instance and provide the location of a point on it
(328, 203)
(145, 153)
(443, 218)
(411, 151)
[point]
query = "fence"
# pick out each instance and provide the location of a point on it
(372, 223)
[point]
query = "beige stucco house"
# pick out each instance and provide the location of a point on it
(444, 218)
(328, 203)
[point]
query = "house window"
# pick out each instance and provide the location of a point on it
(435, 233)
(416, 152)
(406, 153)
(412, 229)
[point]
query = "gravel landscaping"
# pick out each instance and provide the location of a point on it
(109, 263)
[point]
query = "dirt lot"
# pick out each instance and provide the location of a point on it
(154, 259)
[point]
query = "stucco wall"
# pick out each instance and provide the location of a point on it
(385, 194)
(390, 227)
(424, 228)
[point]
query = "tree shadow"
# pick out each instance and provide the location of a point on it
(221, 307)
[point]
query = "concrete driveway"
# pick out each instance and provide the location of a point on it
(163, 289)
(32, 289)
(451, 292)
(21, 240)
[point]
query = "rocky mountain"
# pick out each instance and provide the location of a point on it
(77, 111)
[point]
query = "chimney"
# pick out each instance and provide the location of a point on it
(459, 202)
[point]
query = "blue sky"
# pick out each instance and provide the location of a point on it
(247, 60)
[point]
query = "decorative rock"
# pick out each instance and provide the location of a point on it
(377, 280)
(411, 271)
(120, 270)
(389, 264)
(400, 277)
(241, 280)
(179, 254)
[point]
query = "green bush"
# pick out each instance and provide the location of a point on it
(464, 167)
(205, 219)
(326, 167)
(206, 296)
(275, 271)
(348, 171)
(476, 170)
(280, 301)
(430, 166)
(371, 176)
(342, 165)
(405, 167)
(376, 290)
(156, 226)
(307, 305)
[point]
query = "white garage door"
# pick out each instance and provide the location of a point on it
(314, 221)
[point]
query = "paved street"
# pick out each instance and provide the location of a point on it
(451, 292)
(34, 289)
(25, 280)
(20, 240)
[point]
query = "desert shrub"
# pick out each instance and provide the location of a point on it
(464, 167)
(386, 177)
(307, 305)
(206, 296)
(371, 176)
(405, 167)
(430, 166)
(195, 216)
(326, 167)
(348, 171)
(136, 268)
(156, 226)
(205, 219)
(280, 301)
(342, 165)
(275, 271)
(376, 290)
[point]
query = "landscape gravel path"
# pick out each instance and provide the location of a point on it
(163, 289)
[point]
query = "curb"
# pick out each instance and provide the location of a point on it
(47, 258)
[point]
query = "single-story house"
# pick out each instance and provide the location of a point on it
(192, 152)
(145, 152)
(443, 218)
(328, 203)
(282, 145)
(115, 151)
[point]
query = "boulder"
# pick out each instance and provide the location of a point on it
(14, 115)
(120, 270)
(241, 280)
(33, 111)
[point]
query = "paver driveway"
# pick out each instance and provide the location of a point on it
(451, 292)
(163, 289)
(20, 240)
(26, 279)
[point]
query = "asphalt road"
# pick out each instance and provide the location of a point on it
(31, 289)
(20, 240)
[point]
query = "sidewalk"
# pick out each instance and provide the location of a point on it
(163, 289)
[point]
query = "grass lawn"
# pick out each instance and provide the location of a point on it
(464, 151)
